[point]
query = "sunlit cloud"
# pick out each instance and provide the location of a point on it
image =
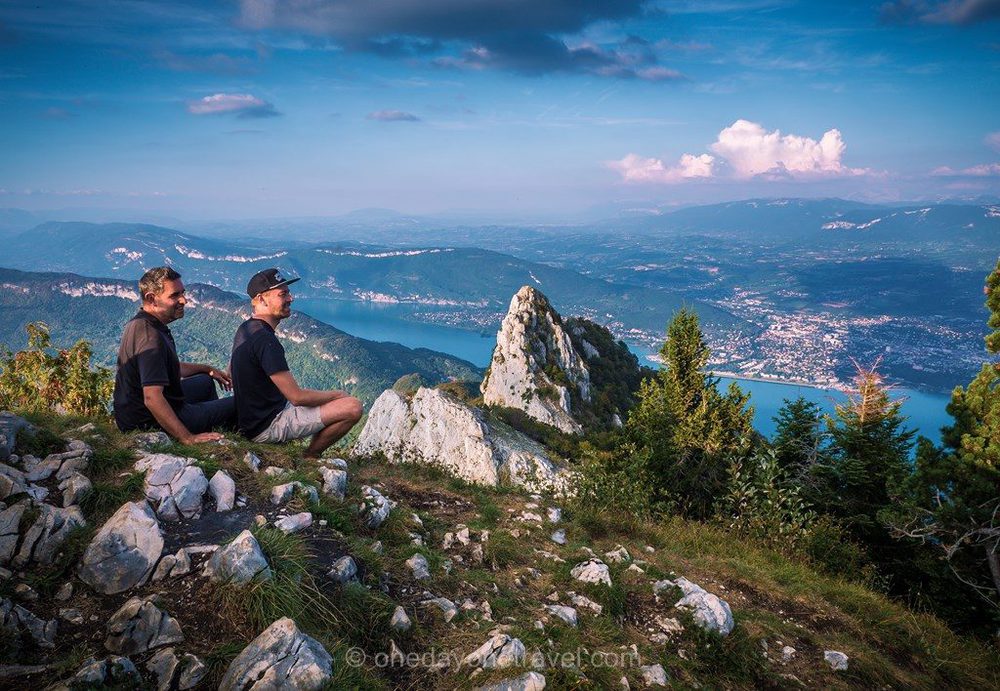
(984, 170)
(392, 116)
(243, 105)
(634, 168)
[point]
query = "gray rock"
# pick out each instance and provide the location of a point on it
(529, 681)
(498, 652)
(283, 493)
(334, 482)
(592, 571)
(554, 515)
(65, 591)
(837, 660)
(139, 625)
(193, 670)
(294, 523)
(374, 507)
(12, 481)
(619, 555)
(148, 440)
(400, 622)
(10, 426)
(344, 570)
(44, 470)
(338, 463)
(72, 615)
(241, 561)
(280, 657)
(418, 567)
(446, 607)
(558, 537)
(252, 461)
(654, 675)
(125, 550)
(15, 617)
(75, 488)
(223, 490)
(566, 614)
(10, 519)
(788, 653)
(107, 672)
(174, 485)
(46, 535)
(709, 611)
(163, 665)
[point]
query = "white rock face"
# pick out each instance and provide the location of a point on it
(124, 551)
(532, 342)
(434, 428)
(174, 485)
(281, 657)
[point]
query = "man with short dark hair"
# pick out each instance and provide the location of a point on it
(270, 405)
(152, 387)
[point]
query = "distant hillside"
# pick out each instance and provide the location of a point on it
(95, 309)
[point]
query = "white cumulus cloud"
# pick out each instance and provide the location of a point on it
(984, 170)
(634, 168)
(751, 150)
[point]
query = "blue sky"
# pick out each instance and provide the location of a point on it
(522, 107)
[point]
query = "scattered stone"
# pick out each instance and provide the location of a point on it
(374, 507)
(125, 550)
(163, 666)
(836, 659)
(635, 568)
(282, 493)
(14, 617)
(554, 515)
(788, 653)
(109, 672)
(193, 670)
(139, 625)
(498, 652)
(75, 488)
(280, 657)
(709, 611)
(619, 555)
(447, 608)
(344, 569)
(334, 482)
(174, 485)
(276, 471)
(10, 519)
(241, 561)
(376, 547)
(400, 622)
(65, 591)
(294, 523)
(25, 593)
(528, 516)
(148, 440)
(418, 567)
(558, 537)
(529, 681)
(567, 614)
(46, 535)
(668, 624)
(654, 675)
(585, 602)
(223, 490)
(73, 616)
(252, 461)
(592, 571)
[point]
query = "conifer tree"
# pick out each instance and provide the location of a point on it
(690, 429)
(799, 439)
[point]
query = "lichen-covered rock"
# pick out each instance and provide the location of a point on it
(173, 484)
(125, 550)
(499, 651)
(223, 490)
(139, 625)
(334, 482)
(529, 681)
(46, 535)
(435, 428)
(532, 347)
(241, 561)
(281, 657)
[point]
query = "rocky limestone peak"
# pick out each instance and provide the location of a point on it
(535, 367)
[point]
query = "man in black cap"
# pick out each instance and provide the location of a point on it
(152, 387)
(270, 405)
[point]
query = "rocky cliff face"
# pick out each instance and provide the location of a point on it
(434, 428)
(535, 367)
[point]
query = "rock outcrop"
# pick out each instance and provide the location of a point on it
(125, 550)
(280, 657)
(435, 428)
(173, 484)
(535, 367)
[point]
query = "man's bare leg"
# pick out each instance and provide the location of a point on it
(339, 417)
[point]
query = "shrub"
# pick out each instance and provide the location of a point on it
(615, 481)
(36, 379)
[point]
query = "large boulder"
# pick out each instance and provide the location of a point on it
(435, 428)
(281, 657)
(535, 367)
(174, 485)
(139, 625)
(241, 561)
(125, 550)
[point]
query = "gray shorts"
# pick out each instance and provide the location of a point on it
(293, 422)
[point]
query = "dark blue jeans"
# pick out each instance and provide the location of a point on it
(203, 410)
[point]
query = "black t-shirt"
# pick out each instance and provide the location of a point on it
(146, 357)
(257, 354)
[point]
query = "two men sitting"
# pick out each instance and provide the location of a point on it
(154, 389)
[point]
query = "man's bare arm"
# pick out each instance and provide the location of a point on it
(189, 369)
(296, 395)
(165, 416)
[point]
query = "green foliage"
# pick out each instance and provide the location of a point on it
(764, 503)
(616, 481)
(690, 429)
(36, 379)
(992, 291)
(830, 549)
(799, 437)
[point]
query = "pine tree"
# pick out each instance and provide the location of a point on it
(690, 430)
(798, 439)
(956, 487)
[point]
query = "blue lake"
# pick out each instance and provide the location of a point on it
(386, 322)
